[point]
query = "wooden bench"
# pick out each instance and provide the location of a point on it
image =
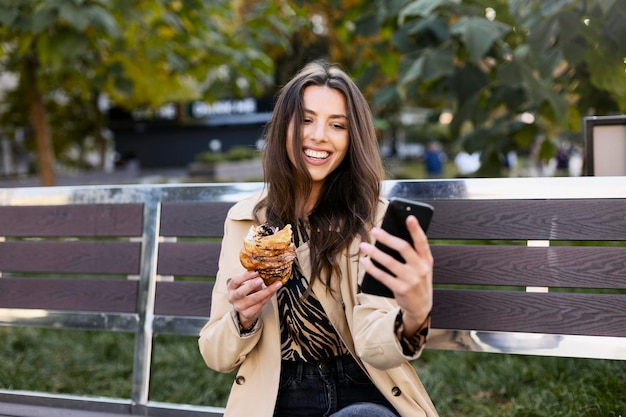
(522, 265)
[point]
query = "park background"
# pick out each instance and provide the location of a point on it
(97, 91)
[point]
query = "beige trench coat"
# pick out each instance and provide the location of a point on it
(364, 322)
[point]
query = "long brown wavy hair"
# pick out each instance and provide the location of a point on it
(348, 201)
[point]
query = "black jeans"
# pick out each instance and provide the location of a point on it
(335, 387)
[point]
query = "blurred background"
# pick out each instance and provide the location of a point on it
(117, 91)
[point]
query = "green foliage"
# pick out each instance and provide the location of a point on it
(489, 62)
(240, 153)
(236, 153)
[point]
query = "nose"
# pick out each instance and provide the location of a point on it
(317, 131)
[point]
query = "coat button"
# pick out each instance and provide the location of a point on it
(240, 380)
(395, 391)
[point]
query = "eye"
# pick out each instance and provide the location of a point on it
(307, 120)
(339, 126)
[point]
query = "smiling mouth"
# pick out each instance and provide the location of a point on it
(316, 154)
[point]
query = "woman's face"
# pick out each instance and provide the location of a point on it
(325, 136)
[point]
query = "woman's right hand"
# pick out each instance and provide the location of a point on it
(248, 295)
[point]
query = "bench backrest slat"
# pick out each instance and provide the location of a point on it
(186, 298)
(555, 266)
(188, 258)
(566, 219)
(72, 220)
(552, 313)
(110, 296)
(87, 257)
(191, 219)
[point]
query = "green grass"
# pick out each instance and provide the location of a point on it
(66, 361)
(501, 385)
(460, 383)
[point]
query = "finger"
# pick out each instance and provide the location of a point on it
(238, 280)
(265, 294)
(251, 307)
(391, 282)
(420, 241)
(391, 241)
(252, 293)
(404, 249)
(248, 287)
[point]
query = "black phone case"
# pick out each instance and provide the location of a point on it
(394, 222)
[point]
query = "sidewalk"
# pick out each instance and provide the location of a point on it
(236, 172)
(102, 178)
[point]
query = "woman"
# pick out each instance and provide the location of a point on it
(315, 346)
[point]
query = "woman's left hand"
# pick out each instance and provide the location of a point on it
(412, 285)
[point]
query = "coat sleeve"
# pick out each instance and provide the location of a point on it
(374, 332)
(221, 346)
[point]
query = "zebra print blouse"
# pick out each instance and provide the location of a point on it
(306, 333)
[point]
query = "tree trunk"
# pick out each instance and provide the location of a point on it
(41, 126)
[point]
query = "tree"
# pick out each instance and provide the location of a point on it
(508, 71)
(492, 62)
(41, 41)
(140, 54)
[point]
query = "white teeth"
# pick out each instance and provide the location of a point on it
(316, 154)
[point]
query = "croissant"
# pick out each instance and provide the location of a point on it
(269, 251)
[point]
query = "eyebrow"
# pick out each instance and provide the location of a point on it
(332, 116)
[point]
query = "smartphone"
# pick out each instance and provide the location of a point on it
(394, 222)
